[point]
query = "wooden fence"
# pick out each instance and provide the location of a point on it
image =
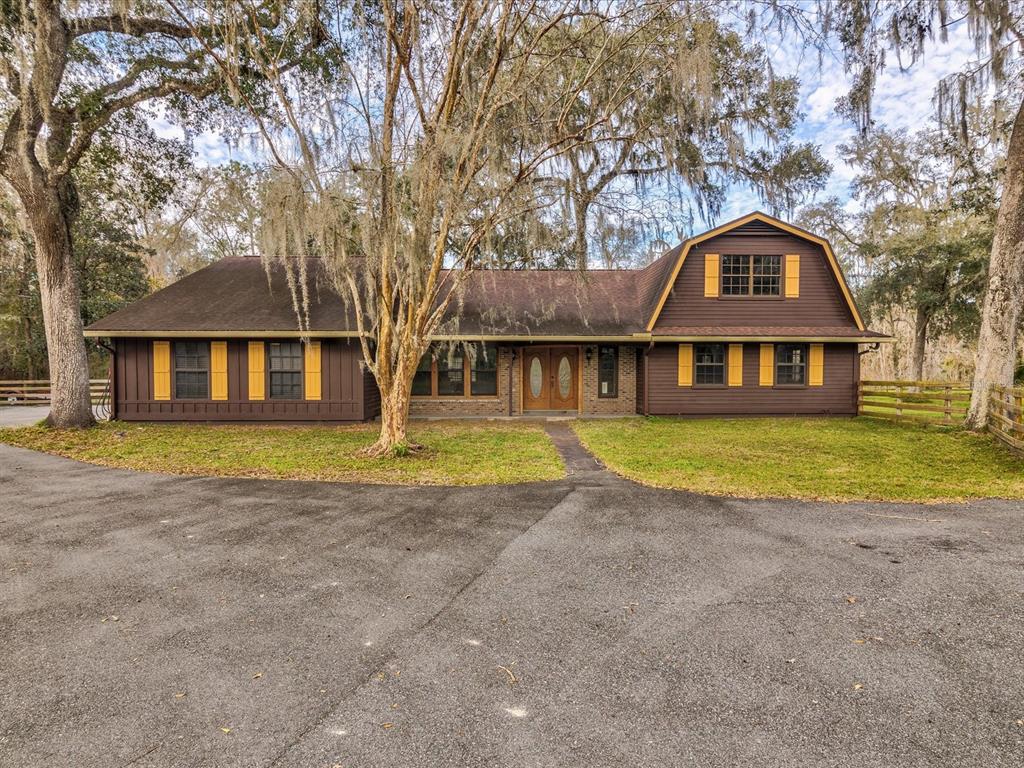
(934, 402)
(37, 392)
(1006, 415)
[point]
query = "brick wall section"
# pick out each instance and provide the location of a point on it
(625, 403)
(477, 406)
(591, 404)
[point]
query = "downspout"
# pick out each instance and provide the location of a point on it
(511, 368)
(647, 375)
(113, 380)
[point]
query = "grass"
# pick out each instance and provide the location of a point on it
(828, 459)
(456, 453)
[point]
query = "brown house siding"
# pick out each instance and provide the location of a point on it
(838, 394)
(820, 302)
(343, 389)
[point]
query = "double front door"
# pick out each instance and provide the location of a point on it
(550, 379)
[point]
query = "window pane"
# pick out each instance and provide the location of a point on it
(286, 385)
(450, 374)
(790, 363)
(607, 372)
(284, 361)
(191, 385)
(735, 275)
(709, 363)
(767, 280)
(421, 379)
(483, 375)
(191, 370)
(564, 377)
(536, 377)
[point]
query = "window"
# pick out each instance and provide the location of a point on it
(191, 370)
(607, 371)
(735, 275)
(751, 275)
(709, 363)
(451, 373)
(284, 363)
(790, 364)
(423, 379)
(483, 373)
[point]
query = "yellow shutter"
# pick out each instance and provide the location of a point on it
(792, 275)
(685, 365)
(710, 275)
(767, 372)
(313, 370)
(161, 370)
(735, 365)
(257, 369)
(219, 370)
(817, 377)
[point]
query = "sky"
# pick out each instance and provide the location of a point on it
(903, 99)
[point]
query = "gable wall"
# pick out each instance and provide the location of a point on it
(820, 303)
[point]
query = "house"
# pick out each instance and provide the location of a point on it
(752, 317)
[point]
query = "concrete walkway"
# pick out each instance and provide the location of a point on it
(27, 415)
(22, 415)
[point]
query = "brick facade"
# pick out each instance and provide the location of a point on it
(625, 403)
(482, 407)
(509, 390)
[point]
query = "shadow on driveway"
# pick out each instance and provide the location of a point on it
(156, 621)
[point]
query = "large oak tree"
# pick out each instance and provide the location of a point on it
(68, 70)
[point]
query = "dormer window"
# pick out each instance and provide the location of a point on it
(751, 275)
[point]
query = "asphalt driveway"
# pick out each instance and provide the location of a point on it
(149, 620)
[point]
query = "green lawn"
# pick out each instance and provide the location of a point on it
(456, 453)
(833, 459)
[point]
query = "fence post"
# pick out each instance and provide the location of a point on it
(948, 404)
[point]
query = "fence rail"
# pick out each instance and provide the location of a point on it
(37, 391)
(934, 402)
(1006, 415)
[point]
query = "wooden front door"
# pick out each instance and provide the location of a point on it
(549, 379)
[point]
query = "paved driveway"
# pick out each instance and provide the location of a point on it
(148, 620)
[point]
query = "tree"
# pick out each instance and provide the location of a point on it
(443, 142)
(925, 228)
(867, 30)
(705, 111)
(69, 71)
(109, 266)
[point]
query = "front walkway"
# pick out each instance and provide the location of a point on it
(153, 620)
(29, 415)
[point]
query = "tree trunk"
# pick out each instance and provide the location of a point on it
(395, 394)
(997, 340)
(920, 342)
(70, 405)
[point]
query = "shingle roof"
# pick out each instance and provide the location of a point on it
(233, 294)
(236, 295)
(768, 331)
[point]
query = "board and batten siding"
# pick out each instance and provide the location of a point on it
(836, 395)
(815, 298)
(344, 390)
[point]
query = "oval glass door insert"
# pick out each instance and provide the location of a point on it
(536, 377)
(564, 377)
